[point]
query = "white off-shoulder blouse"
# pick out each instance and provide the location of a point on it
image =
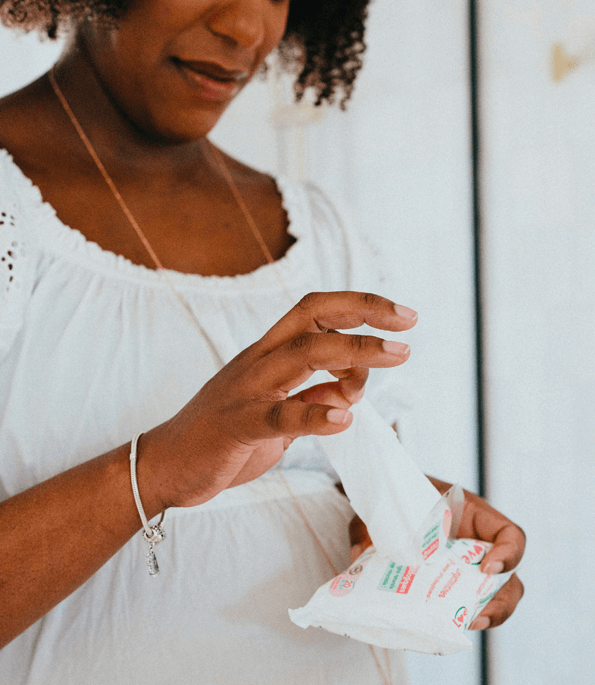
(94, 348)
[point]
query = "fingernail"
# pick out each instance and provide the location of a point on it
(337, 415)
(494, 567)
(396, 348)
(480, 623)
(405, 312)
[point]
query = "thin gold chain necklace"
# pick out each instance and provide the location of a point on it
(385, 677)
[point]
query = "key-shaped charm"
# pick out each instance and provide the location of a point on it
(152, 564)
(157, 536)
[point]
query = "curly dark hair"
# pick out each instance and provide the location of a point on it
(324, 38)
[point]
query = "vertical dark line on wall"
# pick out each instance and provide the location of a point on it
(474, 86)
(477, 234)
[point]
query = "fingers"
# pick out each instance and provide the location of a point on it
(358, 532)
(349, 390)
(295, 361)
(357, 551)
(482, 521)
(352, 383)
(508, 549)
(339, 310)
(501, 606)
(292, 418)
(360, 539)
(324, 393)
(304, 341)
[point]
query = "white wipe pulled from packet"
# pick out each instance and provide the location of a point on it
(386, 489)
(423, 608)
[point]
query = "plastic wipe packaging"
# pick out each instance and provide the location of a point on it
(417, 588)
(422, 608)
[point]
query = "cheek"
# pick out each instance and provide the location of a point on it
(119, 55)
(129, 61)
(276, 27)
(281, 29)
(141, 37)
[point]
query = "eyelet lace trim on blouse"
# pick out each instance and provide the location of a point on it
(10, 252)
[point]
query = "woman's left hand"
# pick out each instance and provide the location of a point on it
(480, 521)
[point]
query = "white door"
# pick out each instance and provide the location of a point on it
(539, 261)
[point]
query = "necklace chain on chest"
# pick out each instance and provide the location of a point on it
(385, 677)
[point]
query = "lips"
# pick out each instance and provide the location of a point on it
(211, 80)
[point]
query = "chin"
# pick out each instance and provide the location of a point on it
(188, 124)
(179, 131)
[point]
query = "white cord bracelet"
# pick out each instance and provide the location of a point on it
(153, 535)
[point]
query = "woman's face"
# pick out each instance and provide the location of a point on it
(173, 66)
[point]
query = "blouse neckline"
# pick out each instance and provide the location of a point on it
(70, 243)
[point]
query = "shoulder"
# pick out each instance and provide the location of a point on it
(28, 129)
(18, 251)
(251, 182)
(29, 147)
(313, 208)
(21, 114)
(337, 234)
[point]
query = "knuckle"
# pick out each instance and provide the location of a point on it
(309, 414)
(370, 301)
(302, 342)
(359, 342)
(307, 302)
(500, 611)
(273, 415)
(497, 620)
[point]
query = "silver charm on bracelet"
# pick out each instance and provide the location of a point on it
(157, 537)
(152, 535)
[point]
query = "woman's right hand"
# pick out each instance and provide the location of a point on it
(237, 426)
(232, 431)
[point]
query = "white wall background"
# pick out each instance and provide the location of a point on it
(401, 157)
(539, 219)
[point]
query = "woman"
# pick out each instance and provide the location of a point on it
(98, 344)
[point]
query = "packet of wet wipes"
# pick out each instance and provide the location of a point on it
(405, 514)
(424, 608)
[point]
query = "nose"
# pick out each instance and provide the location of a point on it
(241, 22)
